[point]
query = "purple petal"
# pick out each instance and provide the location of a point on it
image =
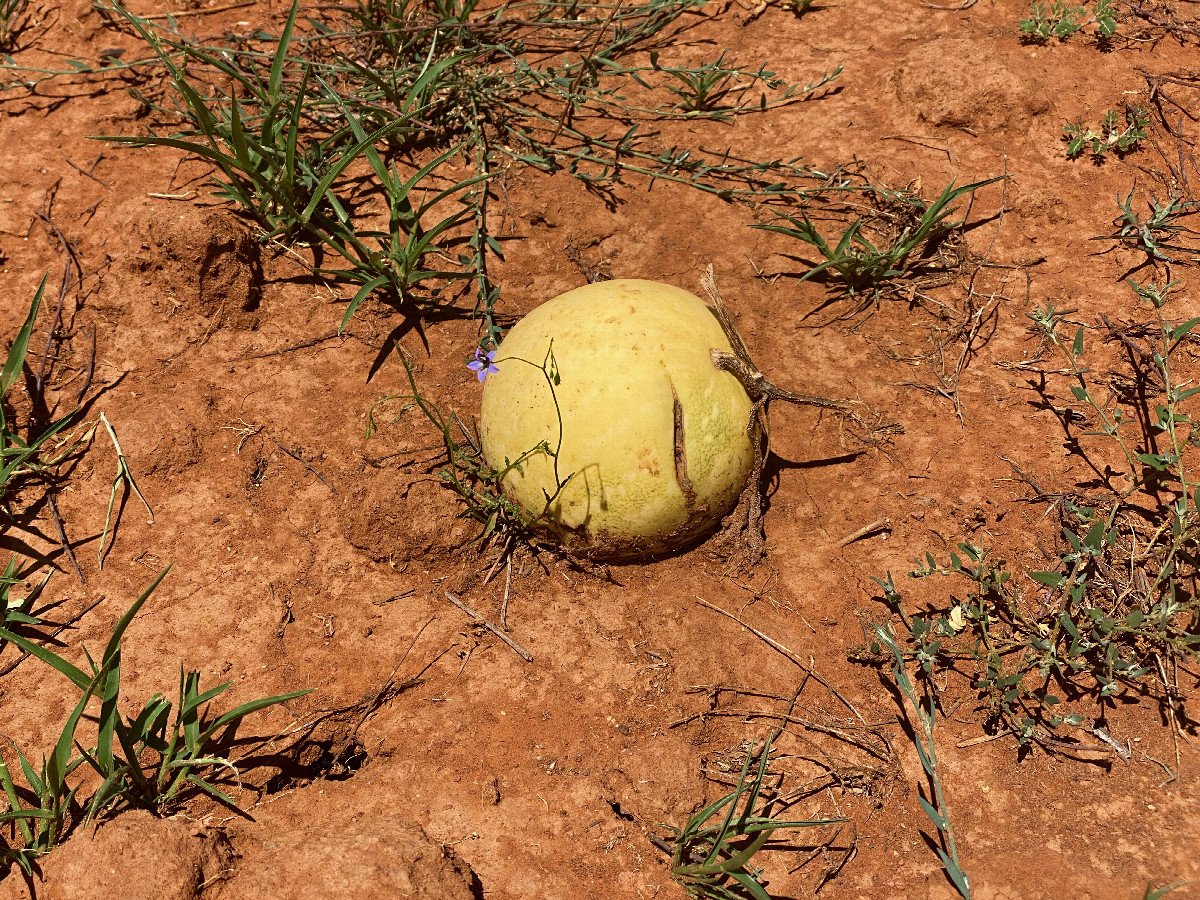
(482, 364)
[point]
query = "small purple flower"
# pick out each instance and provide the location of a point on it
(483, 364)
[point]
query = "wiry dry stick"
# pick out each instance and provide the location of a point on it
(389, 684)
(62, 536)
(507, 590)
(311, 342)
(879, 525)
(298, 458)
(774, 643)
(807, 669)
(504, 552)
(492, 627)
(746, 714)
(90, 372)
(180, 13)
(983, 739)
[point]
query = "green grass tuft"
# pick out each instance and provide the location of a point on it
(147, 761)
(714, 848)
(913, 232)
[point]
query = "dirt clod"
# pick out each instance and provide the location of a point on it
(383, 858)
(137, 856)
(211, 262)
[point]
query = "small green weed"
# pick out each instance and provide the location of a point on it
(1061, 19)
(718, 91)
(910, 234)
(1158, 230)
(1114, 614)
(713, 850)
(289, 187)
(926, 715)
(1113, 134)
(145, 761)
(467, 472)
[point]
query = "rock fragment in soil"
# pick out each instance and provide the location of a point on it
(948, 85)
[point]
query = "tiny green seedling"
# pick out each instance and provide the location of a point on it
(43, 824)
(1113, 134)
(181, 746)
(1058, 19)
(395, 259)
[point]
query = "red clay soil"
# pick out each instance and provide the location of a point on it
(309, 557)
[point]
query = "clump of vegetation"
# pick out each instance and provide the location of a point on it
(712, 852)
(902, 239)
(1113, 134)
(480, 92)
(1114, 613)
(148, 760)
(1061, 19)
(1161, 230)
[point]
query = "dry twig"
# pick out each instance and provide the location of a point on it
(492, 627)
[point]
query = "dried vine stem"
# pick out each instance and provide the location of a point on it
(741, 365)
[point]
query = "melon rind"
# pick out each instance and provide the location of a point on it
(624, 351)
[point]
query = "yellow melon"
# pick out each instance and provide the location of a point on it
(650, 436)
